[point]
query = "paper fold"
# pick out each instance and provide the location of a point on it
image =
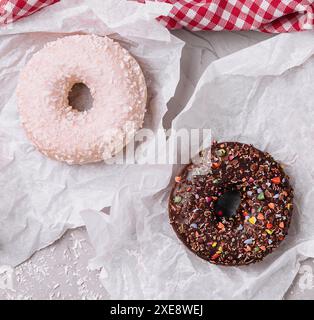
(260, 95)
(42, 198)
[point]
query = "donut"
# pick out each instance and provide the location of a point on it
(117, 86)
(236, 213)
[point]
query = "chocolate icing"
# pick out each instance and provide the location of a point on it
(205, 212)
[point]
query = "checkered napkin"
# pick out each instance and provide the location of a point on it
(11, 10)
(264, 15)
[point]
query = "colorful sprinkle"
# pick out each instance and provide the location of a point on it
(221, 225)
(177, 199)
(215, 165)
(260, 216)
(276, 180)
(215, 256)
(248, 241)
(252, 220)
(177, 179)
(221, 152)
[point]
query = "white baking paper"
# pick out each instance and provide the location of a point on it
(41, 198)
(261, 95)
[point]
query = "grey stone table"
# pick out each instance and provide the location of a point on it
(60, 271)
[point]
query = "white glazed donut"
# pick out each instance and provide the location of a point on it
(116, 83)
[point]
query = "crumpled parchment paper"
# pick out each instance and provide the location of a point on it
(261, 95)
(41, 198)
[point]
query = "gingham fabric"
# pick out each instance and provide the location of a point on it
(263, 15)
(11, 10)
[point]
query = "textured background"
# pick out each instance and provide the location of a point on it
(60, 271)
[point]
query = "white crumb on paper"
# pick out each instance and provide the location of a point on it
(35, 217)
(261, 95)
(64, 278)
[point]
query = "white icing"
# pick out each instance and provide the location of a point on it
(116, 83)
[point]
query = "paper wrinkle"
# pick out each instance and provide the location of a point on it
(42, 198)
(260, 95)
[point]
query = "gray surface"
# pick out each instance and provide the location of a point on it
(60, 271)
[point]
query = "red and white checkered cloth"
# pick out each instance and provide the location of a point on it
(12, 10)
(263, 15)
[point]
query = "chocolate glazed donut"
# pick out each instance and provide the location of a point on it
(238, 212)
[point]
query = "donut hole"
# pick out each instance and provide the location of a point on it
(80, 97)
(228, 204)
